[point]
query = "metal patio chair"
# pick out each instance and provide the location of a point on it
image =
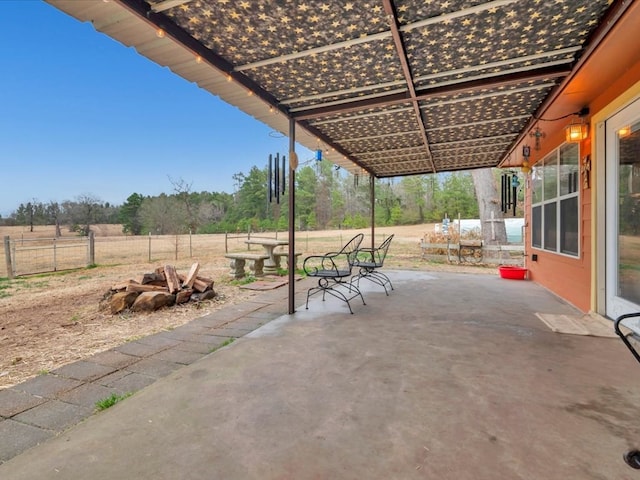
(630, 337)
(370, 261)
(333, 271)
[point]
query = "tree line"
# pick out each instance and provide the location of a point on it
(326, 198)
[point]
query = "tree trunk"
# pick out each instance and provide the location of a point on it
(494, 231)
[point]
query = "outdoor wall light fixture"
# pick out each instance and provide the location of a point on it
(577, 131)
(526, 153)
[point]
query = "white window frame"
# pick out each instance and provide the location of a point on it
(538, 175)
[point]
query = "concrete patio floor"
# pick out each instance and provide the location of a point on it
(452, 376)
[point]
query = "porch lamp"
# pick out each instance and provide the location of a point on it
(526, 153)
(577, 131)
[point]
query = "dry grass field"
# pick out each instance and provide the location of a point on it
(48, 320)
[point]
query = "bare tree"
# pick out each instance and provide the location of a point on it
(53, 212)
(183, 192)
(84, 214)
(494, 231)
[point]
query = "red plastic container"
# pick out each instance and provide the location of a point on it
(513, 273)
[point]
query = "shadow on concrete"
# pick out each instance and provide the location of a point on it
(452, 376)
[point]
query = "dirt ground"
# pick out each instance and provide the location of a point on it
(49, 320)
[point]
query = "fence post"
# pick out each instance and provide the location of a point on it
(190, 245)
(226, 242)
(55, 258)
(7, 256)
(91, 250)
(149, 247)
(249, 238)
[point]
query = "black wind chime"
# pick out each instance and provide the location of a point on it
(509, 183)
(276, 178)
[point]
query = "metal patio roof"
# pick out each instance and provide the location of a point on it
(391, 87)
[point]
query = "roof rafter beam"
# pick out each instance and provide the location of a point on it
(397, 91)
(376, 137)
(471, 154)
(446, 17)
(481, 139)
(390, 84)
(180, 36)
(314, 51)
(346, 91)
(364, 115)
(613, 14)
(167, 4)
(501, 63)
(392, 150)
(455, 149)
(406, 71)
(397, 162)
(425, 94)
(490, 95)
(446, 102)
(526, 68)
(481, 122)
(376, 36)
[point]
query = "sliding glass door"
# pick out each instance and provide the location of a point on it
(623, 211)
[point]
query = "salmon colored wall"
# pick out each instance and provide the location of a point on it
(568, 277)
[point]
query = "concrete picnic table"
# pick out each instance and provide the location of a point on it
(269, 245)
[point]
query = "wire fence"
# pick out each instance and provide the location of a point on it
(41, 255)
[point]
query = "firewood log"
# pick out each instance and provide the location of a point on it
(173, 282)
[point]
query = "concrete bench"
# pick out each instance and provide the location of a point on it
(278, 256)
(239, 260)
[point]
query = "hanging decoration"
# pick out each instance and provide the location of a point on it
(538, 135)
(276, 178)
(585, 168)
(509, 183)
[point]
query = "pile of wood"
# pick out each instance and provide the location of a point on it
(161, 288)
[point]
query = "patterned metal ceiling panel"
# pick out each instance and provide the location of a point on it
(395, 160)
(493, 32)
(487, 104)
(348, 68)
(383, 122)
(491, 70)
(331, 96)
(383, 156)
(371, 144)
(406, 168)
(248, 31)
(488, 129)
(352, 74)
(493, 147)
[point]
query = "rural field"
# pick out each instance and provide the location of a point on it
(51, 319)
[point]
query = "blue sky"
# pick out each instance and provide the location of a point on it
(83, 114)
